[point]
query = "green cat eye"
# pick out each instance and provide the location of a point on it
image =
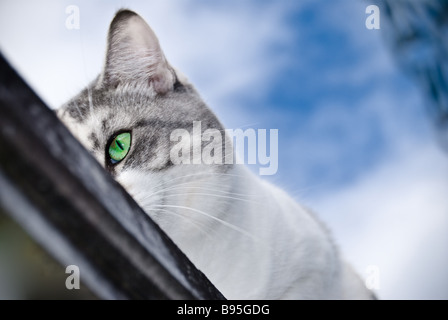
(119, 147)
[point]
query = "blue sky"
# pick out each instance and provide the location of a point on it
(355, 142)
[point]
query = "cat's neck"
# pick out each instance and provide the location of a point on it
(261, 234)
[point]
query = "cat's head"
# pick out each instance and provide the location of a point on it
(126, 117)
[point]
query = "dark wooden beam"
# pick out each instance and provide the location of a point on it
(57, 191)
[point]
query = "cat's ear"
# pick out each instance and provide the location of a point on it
(134, 55)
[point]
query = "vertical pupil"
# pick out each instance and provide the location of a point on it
(120, 145)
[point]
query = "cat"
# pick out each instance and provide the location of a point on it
(247, 236)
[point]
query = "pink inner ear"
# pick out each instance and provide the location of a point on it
(162, 80)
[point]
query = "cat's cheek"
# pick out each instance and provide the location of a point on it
(127, 183)
(141, 186)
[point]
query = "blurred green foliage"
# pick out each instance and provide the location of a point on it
(29, 272)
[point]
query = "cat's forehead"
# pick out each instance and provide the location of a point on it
(96, 114)
(107, 107)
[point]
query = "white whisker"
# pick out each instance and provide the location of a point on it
(209, 195)
(205, 174)
(225, 223)
(78, 109)
(200, 226)
(202, 187)
(174, 186)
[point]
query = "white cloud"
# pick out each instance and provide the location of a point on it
(396, 217)
(394, 213)
(224, 50)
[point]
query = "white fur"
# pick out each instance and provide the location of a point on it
(248, 237)
(263, 246)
